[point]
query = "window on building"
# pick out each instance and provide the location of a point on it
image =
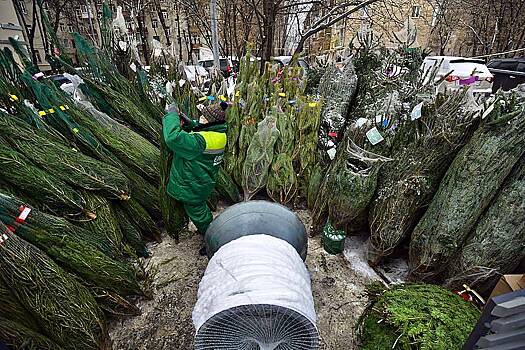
(168, 31)
(78, 13)
(62, 27)
(341, 36)
(70, 28)
(165, 14)
(154, 23)
(137, 37)
(37, 55)
(364, 13)
(416, 11)
(23, 7)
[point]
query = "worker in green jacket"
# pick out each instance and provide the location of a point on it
(198, 151)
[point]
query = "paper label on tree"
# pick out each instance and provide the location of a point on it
(331, 153)
(123, 45)
(24, 214)
(360, 122)
(133, 67)
(374, 136)
(417, 112)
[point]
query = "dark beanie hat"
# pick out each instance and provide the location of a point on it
(215, 112)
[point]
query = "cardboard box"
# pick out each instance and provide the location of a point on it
(509, 283)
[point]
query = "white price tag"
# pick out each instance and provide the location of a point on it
(123, 45)
(24, 214)
(331, 153)
(360, 122)
(374, 136)
(417, 112)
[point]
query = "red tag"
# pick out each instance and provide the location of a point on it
(24, 213)
(332, 134)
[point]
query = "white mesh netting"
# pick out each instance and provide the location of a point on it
(256, 294)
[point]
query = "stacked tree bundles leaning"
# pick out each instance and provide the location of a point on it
(54, 302)
(408, 183)
(18, 329)
(468, 188)
(48, 192)
(72, 247)
(63, 162)
(112, 93)
(496, 245)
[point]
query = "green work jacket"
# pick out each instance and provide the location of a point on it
(197, 155)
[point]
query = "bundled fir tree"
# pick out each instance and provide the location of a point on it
(62, 308)
(466, 191)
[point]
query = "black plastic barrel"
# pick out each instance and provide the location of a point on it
(257, 217)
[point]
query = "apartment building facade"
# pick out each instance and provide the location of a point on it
(20, 19)
(393, 23)
(159, 20)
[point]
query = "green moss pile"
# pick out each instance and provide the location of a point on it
(417, 316)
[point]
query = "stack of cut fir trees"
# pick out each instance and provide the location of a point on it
(79, 199)
(439, 177)
(273, 130)
(83, 183)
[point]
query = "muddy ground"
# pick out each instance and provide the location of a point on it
(165, 322)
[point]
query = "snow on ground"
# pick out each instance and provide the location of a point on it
(165, 323)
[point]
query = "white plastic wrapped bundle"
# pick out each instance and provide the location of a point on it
(256, 294)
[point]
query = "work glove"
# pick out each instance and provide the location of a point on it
(185, 120)
(172, 107)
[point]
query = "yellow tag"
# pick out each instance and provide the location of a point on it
(75, 130)
(222, 98)
(42, 113)
(238, 93)
(51, 110)
(312, 104)
(62, 108)
(203, 98)
(282, 94)
(13, 97)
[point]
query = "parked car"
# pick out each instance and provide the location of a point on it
(458, 72)
(226, 65)
(285, 60)
(508, 73)
(59, 79)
